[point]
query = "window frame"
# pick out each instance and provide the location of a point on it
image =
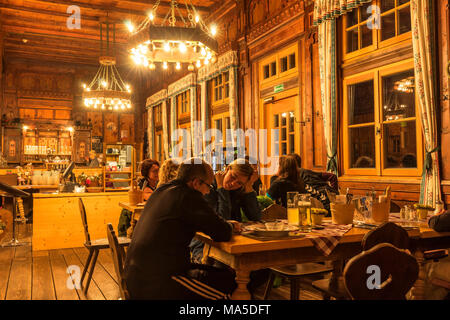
(376, 33)
(376, 75)
(276, 58)
(222, 87)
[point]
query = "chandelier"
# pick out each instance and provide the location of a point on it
(191, 44)
(107, 91)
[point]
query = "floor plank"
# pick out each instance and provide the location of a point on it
(60, 277)
(6, 258)
(19, 286)
(105, 259)
(94, 292)
(107, 285)
(42, 286)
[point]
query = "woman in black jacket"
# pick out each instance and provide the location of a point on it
(288, 180)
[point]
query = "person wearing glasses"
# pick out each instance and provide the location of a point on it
(158, 262)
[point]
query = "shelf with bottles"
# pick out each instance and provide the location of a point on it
(119, 170)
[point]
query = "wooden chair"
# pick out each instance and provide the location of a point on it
(294, 273)
(118, 255)
(94, 247)
(397, 269)
(388, 232)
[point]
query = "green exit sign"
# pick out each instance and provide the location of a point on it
(278, 88)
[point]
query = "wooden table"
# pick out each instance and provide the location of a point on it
(136, 212)
(245, 255)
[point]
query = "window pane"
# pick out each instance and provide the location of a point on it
(398, 96)
(366, 36)
(291, 143)
(283, 119)
(365, 12)
(400, 145)
(226, 76)
(283, 134)
(387, 5)
(352, 40)
(276, 122)
(216, 94)
(227, 90)
(283, 64)
(352, 18)
(292, 61)
(362, 147)
(404, 20)
(283, 148)
(400, 2)
(266, 72)
(360, 102)
(273, 69)
(387, 26)
(291, 121)
(276, 142)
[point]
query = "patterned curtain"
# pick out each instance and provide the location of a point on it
(173, 120)
(150, 133)
(331, 9)
(204, 109)
(327, 66)
(233, 105)
(165, 129)
(422, 23)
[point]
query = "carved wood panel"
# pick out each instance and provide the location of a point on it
(111, 127)
(127, 128)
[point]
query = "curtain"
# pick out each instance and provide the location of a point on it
(422, 23)
(331, 9)
(150, 133)
(327, 67)
(173, 122)
(234, 124)
(204, 109)
(165, 129)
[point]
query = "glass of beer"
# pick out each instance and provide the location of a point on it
(304, 212)
(292, 208)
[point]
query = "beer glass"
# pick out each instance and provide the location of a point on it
(304, 212)
(292, 208)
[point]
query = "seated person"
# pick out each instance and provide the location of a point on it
(157, 265)
(167, 172)
(258, 183)
(231, 192)
(288, 180)
(440, 222)
(149, 180)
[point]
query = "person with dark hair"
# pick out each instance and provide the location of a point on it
(158, 262)
(150, 178)
(440, 222)
(297, 158)
(288, 179)
(258, 183)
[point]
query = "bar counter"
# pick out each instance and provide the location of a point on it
(57, 218)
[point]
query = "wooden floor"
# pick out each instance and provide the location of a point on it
(43, 275)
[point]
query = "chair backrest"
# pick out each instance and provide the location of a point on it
(84, 220)
(118, 255)
(381, 273)
(388, 232)
(273, 212)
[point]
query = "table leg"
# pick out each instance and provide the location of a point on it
(241, 292)
(418, 290)
(131, 228)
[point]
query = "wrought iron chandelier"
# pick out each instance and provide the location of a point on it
(107, 91)
(192, 43)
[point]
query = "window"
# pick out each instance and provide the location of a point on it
(159, 147)
(381, 131)
(364, 32)
(221, 87)
(284, 138)
(279, 64)
(183, 103)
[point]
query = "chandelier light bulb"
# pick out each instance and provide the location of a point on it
(198, 64)
(165, 65)
(130, 26)
(88, 89)
(122, 107)
(152, 66)
(103, 107)
(213, 30)
(191, 67)
(116, 107)
(178, 66)
(104, 84)
(129, 106)
(203, 52)
(197, 18)
(182, 47)
(206, 62)
(166, 46)
(145, 62)
(84, 85)
(151, 16)
(214, 59)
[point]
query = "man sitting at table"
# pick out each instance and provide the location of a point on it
(158, 260)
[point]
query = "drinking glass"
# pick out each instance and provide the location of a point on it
(304, 212)
(292, 205)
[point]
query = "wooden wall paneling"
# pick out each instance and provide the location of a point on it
(126, 134)
(82, 146)
(12, 145)
(96, 119)
(111, 127)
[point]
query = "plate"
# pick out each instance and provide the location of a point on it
(261, 227)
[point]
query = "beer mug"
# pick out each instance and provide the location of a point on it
(292, 205)
(304, 212)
